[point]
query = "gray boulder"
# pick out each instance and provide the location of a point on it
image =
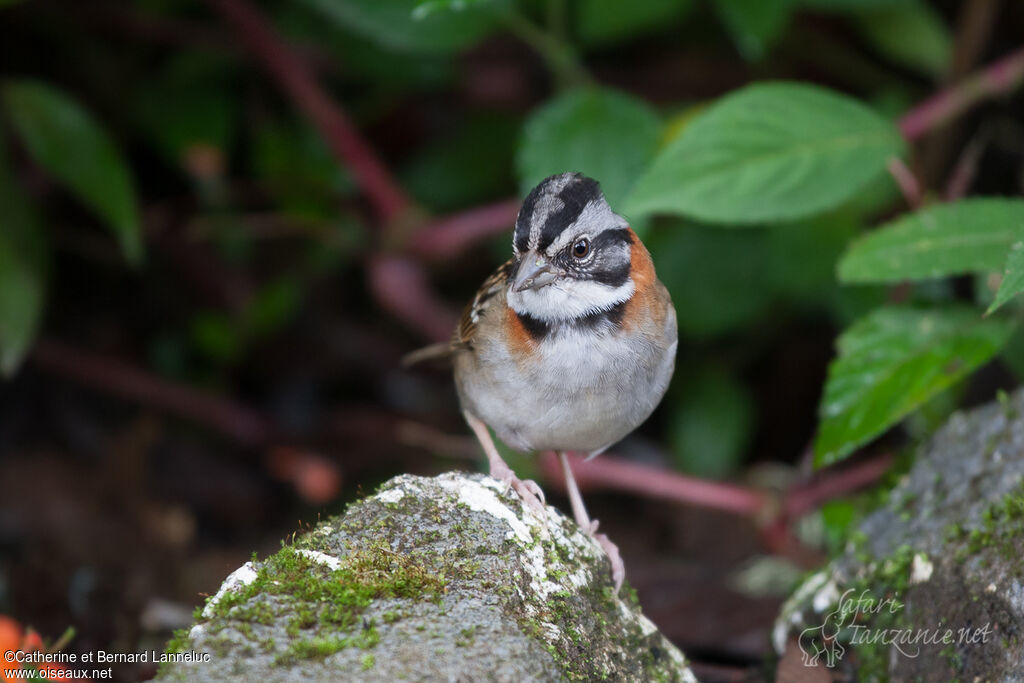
(932, 586)
(445, 578)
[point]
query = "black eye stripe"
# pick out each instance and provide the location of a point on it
(613, 276)
(611, 237)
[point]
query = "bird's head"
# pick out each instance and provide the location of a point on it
(573, 253)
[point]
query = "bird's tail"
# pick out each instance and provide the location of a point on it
(432, 352)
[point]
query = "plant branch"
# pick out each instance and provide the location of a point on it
(401, 285)
(907, 182)
(652, 482)
(1000, 77)
(558, 55)
(450, 235)
(120, 379)
(284, 65)
(617, 474)
(966, 167)
(834, 482)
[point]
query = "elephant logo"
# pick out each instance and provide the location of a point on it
(823, 640)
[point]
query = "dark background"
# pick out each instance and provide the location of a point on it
(243, 378)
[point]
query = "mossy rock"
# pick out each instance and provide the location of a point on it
(444, 578)
(945, 555)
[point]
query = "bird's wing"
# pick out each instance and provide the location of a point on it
(492, 286)
(466, 329)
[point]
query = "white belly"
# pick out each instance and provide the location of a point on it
(578, 392)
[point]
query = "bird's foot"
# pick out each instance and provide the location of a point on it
(528, 490)
(611, 550)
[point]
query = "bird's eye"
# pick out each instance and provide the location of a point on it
(581, 248)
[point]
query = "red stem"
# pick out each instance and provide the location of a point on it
(907, 182)
(448, 236)
(966, 167)
(118, 378)
(401, 285)
(291, 73)
(997, 78)
(834, 482)
(652, 482)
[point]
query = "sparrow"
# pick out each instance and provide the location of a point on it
(569, 345)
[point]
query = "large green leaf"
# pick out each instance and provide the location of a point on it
(65, 140)
(605, 134)
(1013, 277)
(769, 152)
(945, 239)
(891, 362)
(754, 25)
(397, 25)
(22, 271)
(909, 33)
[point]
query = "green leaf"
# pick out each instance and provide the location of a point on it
(392, 23)
(712, 425)
(944, 239)
(769, 152)
(22, 271)
(1013, 277)
(65, 140)
(891, 362)
(754, 25)
(603, 22)
(605, 134)
(910, 33)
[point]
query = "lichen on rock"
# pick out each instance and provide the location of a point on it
(931, 586)
(444, 578)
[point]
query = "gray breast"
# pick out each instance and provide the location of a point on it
(579, 392)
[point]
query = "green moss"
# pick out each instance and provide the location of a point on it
(367, 662)
(1001, 525)
(883, 579)
(179, 641)
(314, 596)
(466, 637)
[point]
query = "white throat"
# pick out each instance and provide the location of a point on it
(567, 299)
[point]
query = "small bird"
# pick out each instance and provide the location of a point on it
(568, 346)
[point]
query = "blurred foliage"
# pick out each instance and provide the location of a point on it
(752, 200)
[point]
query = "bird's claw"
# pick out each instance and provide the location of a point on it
(528, 490)
(612, 551)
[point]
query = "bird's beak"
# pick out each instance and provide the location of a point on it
(534, 272)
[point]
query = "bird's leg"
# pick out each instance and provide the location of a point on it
(528, 490)
(579, 511)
